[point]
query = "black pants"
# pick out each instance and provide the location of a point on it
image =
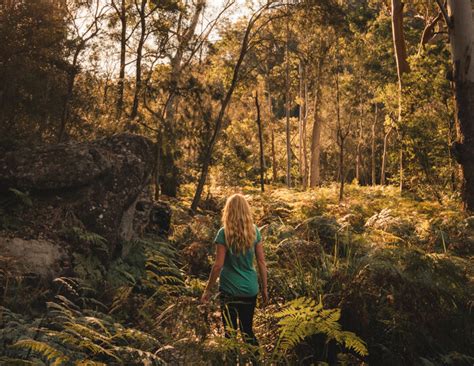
(241, 308)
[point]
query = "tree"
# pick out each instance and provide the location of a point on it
(121, 11)
(461, 34)
(82, 33)
(260, 140)
(247, 41)
(402, 65)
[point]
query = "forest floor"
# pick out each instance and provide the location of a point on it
(399, 268)
(380, 272)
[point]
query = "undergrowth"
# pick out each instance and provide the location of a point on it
(394, 274)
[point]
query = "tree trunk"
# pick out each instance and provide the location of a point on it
(315, 179)
(402, 63)
(287, 106)
(384, 157)
(300, 122)
(462, 49)
(270, 113)
(305, 120)
(138, 64)
(340, 141)
(341, 166)
(401, 166)
(70, 89)
(399, 38)
(123, 41)
(358, 152)
(170, 171)
(373, 147)
(260, 140)
(224, 104)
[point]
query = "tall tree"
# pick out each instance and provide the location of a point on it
(461, 35)
(315, 165)
(121, 13)
(402, 66)
(260, 141)
(247, 39)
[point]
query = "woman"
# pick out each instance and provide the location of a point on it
(238, 242)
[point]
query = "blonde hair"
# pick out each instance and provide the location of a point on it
(238, 224)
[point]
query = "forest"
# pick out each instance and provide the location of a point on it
(347, 125)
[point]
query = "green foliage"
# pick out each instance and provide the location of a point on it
(303, 317)
(12, 205)
(69, 335)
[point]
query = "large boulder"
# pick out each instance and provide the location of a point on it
(36, 256)
(97, 186)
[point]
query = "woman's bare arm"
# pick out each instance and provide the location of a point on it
(215, 271)
(262, 270)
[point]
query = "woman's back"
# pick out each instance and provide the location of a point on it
(238, 276)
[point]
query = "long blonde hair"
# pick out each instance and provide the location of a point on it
(238, 224)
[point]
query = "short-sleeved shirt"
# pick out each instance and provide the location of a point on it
(238, 276)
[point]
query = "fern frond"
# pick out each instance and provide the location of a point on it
(48, 352)
(303, 317)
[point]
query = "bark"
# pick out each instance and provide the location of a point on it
(270, 112)
(300, 120)
(399, 38)
(341, 137)
(260, 140)
(138, 63)
(384, 157)
(461, 35)
(274, 166)
(70, 89)
(402, 63)
(358, 152)
(305, 119)
(170, 172)
(315, 179)
(341, 165)
(373, 147)
(287, 107)
(122, 13)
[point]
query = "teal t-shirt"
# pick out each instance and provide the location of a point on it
(238, 276)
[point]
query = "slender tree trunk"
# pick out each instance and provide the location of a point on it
(123, 41)
(300, 122)
(287, 106)
(138, 64)
(341, 165)
(401, 166)
(260, 140)
(462, 49)
(373, 146)
(224, 104)
(274, 163)
(305, 120)
(70, 89)
(340, 141)
(384, 157)
(358, 152)
(402, 63)
(315, 179)
(270, 113)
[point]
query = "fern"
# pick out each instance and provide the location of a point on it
(97, 242)
(48, 352)
(303, 317)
